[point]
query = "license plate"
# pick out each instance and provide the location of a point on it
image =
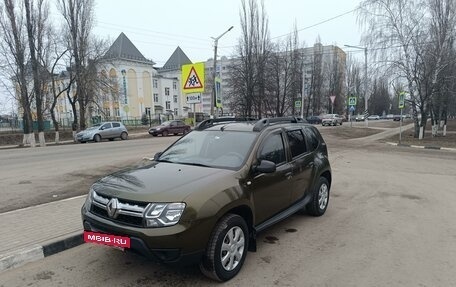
(119, 242)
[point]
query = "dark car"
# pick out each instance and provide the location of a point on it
(174, 127)
(313, 120)
(206, 197)
(397, 118)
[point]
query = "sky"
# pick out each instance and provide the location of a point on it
(158, 27)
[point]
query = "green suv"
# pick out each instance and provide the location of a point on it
(207, 196)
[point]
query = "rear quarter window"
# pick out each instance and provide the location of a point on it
(297, 142)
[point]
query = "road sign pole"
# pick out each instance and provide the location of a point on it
(194, 115)
(400, 129)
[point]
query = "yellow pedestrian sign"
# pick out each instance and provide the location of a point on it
(193, 78)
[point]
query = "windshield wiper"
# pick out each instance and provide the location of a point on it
(165, 160)
(194, 164)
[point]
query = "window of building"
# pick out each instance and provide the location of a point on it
(166, 91)
(174, 85)
(117, 112)
(175, 98)
(107, 112)
(155, 97)
(175, 113)
(168, 105)
(155, 83)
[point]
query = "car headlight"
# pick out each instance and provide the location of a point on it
(89, 199)
(163, 214)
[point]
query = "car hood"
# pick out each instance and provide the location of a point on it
(160, 182)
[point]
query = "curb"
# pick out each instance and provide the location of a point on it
(423, 147)
(37, 252)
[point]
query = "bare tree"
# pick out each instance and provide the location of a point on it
(78, 15)
(14, 50)
(413, 37)
(36, 22)
(247, 73)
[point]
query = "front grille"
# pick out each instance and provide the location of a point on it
(129, 212)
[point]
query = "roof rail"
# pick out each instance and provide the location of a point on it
(210, 122)
(261, 124)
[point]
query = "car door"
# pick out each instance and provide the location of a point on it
(302, 164)
(271, 191)
(105, 130)
(173, 128)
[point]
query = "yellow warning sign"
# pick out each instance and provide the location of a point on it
(193, 78)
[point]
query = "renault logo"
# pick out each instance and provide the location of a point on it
(113, 208)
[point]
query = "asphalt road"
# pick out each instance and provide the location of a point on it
(391, 221)
(32, 176)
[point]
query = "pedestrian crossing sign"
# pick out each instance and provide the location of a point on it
(193, 78)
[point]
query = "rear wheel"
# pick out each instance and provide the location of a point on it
(123, 136)
(97, 138)
(227, 248)
(320, 198)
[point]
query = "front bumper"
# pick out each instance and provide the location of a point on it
(182, 244)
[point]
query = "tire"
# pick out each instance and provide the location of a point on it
(175, 134)
(111, 139)
(320, 198)
(123, 136)
(230, 234)
(340, 123)
(165, 133)
(97, 138)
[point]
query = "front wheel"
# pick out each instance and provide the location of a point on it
(97, 138)
(320, 198)
(227, 248)
(123, 136)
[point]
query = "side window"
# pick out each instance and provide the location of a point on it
(297, 143)
(116, 125)
(106, 126)
(312, 138)
(173, 124)
(273, 149)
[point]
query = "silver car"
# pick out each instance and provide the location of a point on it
(331, 120)
(105, 130)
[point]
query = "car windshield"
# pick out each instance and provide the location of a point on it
(167, 123)
(218, 149)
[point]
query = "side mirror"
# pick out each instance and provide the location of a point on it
(266, 166)
(157, 155)
(102, 128)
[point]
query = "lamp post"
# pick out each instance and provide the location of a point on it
(213, 72)
(366, 121)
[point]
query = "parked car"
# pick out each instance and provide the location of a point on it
(397, 118)
(359, 118)
(105, 130)
(331, 120)
(373, 117)
(204, 199)
(390, 117)
(174, 127)
(313, 120)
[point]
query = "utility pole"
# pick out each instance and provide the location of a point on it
(366, 121)
(213, 71)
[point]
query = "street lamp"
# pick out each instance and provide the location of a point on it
(213, 72)
(366, 121)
